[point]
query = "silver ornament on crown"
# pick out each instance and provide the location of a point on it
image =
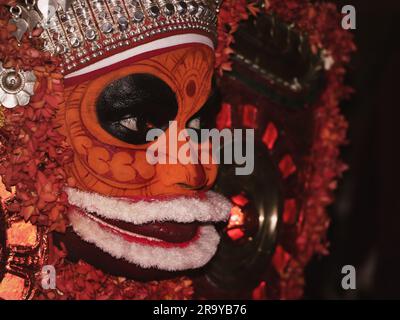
(31, 14)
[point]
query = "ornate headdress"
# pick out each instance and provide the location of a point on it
(92, 35)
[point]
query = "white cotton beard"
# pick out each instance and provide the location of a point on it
(195, 255)
(213, 208)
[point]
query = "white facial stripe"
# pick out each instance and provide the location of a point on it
(194, 256)
(164, 43)
(213, 208)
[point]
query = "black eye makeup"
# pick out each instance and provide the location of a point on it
(131, 106)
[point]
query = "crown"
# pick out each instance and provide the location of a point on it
(87, 34)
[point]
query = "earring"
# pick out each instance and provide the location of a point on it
(21, 24)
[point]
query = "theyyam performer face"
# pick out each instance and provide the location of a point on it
(154, 216)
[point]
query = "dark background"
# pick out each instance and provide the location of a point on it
(365, 229)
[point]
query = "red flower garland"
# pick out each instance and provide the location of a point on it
(32, 152)
(322, 23)
(81, 281)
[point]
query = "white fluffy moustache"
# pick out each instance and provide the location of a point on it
(213, 208)
(193, 256)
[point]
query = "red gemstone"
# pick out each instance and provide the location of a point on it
(224, 118)
(270, 136)
(250, 113)
(287, 166)
(290, 211)
(259, 293)
(281, 259)
(240, 200)
(235, 234)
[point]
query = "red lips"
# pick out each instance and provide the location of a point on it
(167, 231)
(162, 234)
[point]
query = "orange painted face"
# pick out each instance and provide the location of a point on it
(130, 217)
(105, 160)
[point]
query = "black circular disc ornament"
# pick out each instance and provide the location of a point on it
(246, 249)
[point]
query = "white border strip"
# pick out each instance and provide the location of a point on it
(163, 43)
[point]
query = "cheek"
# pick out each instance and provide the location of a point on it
(145, 170)
(121, 166)
(96, 163)
(112, 164)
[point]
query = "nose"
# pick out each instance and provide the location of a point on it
(181, 177)
(185, 177)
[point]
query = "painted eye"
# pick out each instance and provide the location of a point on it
(128, 108)
(130, 123)
(194, 123)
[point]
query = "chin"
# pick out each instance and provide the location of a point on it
(144, 239)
